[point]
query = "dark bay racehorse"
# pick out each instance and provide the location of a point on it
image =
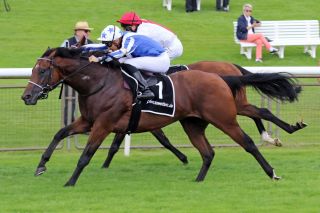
(243, 108)
(105, 105)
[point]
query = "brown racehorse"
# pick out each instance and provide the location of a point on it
(105, 105)
(243, 108)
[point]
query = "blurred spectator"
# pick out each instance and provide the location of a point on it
(222, 5)
(191, 6)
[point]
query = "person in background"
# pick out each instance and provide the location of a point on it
(131, 22)
(81, 29)
(191, 6)
(134, 52)
(246, 33)
(222, 5)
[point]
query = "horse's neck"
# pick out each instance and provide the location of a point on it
(93, 79)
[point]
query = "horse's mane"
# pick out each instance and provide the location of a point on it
(67, 52)
(75, 53)
(63, 52)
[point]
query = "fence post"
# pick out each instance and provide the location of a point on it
(127, 141)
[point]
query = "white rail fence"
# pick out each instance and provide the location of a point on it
(300, 71)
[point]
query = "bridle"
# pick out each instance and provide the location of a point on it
(45, 89)
(43, 94)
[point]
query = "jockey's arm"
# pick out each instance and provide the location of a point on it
(116, 54)
(94, 47)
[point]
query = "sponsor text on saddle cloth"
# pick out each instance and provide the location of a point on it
(162, 87)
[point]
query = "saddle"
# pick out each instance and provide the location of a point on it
(163, 103)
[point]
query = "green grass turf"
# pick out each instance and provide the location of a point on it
(154, 181)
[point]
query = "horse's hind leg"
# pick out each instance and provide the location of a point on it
(114, 148)
(267, 115)
(239, 136)
(79, 126)
(262, 113)
(159, 134)
(195, 129)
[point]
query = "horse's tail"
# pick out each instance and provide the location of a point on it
(274, 85)
(242, 70)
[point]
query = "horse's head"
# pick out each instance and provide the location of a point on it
(63, 65)
(43, 79)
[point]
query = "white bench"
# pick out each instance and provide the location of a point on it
(285, 33)
(168, 4)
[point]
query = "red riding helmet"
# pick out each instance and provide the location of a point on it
(130, 18)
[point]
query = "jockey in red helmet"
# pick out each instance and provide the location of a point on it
(131, 21)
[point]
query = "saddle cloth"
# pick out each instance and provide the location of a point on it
(162, 87)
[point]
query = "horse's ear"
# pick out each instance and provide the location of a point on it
(81, 42)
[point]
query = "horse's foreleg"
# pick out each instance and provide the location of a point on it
(195, 129)
(114, 148)
(159, 134)
(79, 126)
(97, 135)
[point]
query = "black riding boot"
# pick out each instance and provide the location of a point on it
(176, 68)
(145, 92)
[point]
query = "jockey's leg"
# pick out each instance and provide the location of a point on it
(176, 68)
(146, 93)
(174, 49)
(155, 64)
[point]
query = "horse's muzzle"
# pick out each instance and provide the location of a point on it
(29, 99)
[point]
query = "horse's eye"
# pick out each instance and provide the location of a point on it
(42, 71)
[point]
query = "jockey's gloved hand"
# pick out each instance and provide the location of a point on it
(92, 58)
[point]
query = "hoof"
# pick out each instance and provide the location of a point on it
(40, 171)
(267, 138)
(277, 142)
(104, 166)
(68, 184)
(199, 179)
(185, 161)
(301, 124)
(275, 177)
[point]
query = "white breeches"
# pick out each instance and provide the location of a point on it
(175, 49)
(158, 64)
